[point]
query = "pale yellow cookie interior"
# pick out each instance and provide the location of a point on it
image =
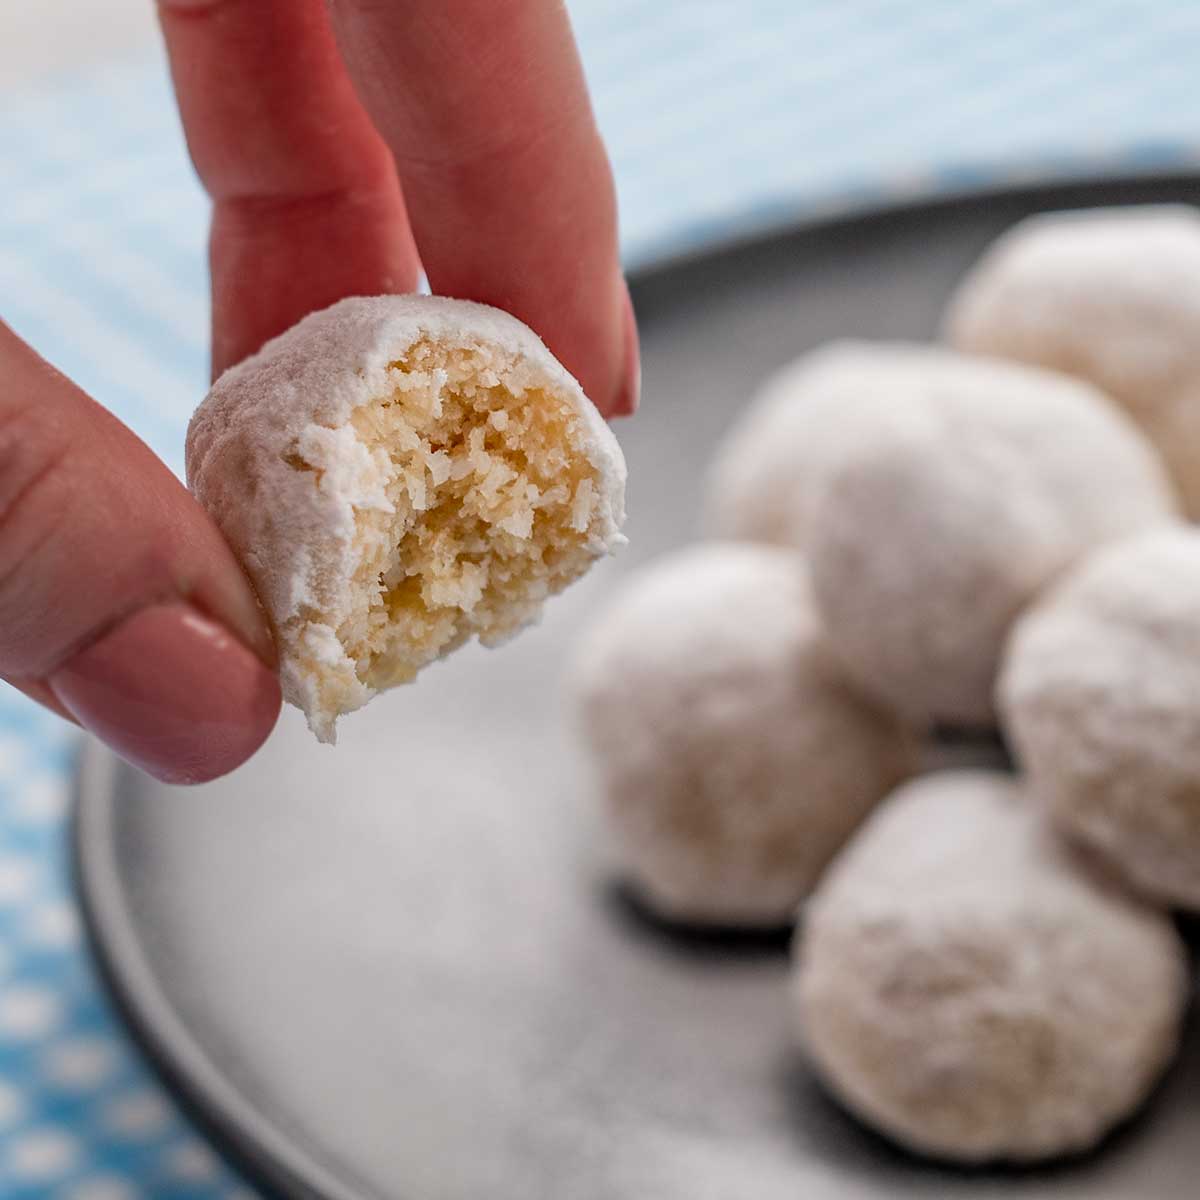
(493, 495)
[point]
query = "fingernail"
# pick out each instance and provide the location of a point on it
(228, 600)
(631, 379)
(172, 692)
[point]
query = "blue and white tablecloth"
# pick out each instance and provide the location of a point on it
(721, 118)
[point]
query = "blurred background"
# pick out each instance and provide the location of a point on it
(723, 120)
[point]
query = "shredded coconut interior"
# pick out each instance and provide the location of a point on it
(492, 496)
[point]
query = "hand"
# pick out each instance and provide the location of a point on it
(121, 607)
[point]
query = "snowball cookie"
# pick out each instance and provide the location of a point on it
(399, 474)
(1100, 693)
(971, 990)
(731, 758)
(1111, 296)
(763, 482)
(970, 486)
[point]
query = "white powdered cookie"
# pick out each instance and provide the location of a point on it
(971, 989)
(732, 759)
(1100, 694)
(961, 489)
(1111, 296)
(399, 474)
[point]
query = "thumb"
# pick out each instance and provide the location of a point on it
(121, 606)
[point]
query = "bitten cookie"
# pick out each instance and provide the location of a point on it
(398, 475)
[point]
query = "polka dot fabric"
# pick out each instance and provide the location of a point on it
(81, 1117)
(720, 120)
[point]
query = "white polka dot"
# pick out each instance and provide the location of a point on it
(14, 752)
(139, 1114)
(12, 1105)
(101, 1187)
(54, 925)
(42, 1154)
(81, 1063)
(192, 1163)
(28, 1012)
(43, 798)
(16, 879)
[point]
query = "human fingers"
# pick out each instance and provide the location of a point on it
(307, 208)
(507, 182)
(120, 603)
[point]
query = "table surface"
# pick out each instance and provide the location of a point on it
(722, 120)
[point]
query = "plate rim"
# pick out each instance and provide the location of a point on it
(276, 1165)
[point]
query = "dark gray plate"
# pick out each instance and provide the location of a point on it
(399, 968)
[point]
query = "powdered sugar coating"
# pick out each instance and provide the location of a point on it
(1111, 296)
(731, 757)
(1100, 694)
(966, 487)
(300, 492)
(971, 989)
(766, 475)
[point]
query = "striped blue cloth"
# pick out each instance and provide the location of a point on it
(722, 119)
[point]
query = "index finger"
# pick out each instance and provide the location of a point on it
(508, 186)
